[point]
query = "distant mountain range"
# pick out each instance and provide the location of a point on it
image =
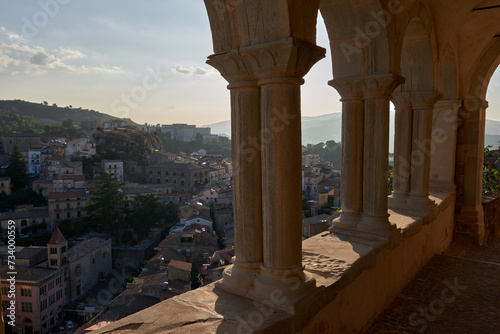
(317, 129)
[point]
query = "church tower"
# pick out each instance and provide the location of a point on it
(57, 248)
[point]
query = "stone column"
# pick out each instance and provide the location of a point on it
(280, 67)
(402, 148)
(444, 141)
(352, 153)
(377, 93)
(423, 106)
(470, 217)
(247, 179)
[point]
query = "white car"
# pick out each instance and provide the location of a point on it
(69, 324)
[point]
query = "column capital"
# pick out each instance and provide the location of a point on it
(287, 58)
(448, 105)
(380, 86)
(369, 86)
(232, 68)
(402, 101)
(474, 103)
(425, 99)
(349, 88)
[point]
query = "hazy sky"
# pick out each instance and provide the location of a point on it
(139, 59)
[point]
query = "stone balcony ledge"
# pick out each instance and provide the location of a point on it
(355, 280)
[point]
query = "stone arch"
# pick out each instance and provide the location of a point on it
(233, 22)
(448, 79)
(418, 25)
(358, 36)
(469, 218)
(414, 101)
(417, 58)
(484, 69)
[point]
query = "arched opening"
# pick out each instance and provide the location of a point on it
(414, 102)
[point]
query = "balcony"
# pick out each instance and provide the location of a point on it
(349, 271)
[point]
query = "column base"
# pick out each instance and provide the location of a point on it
(398, 201)
(239, 278)
(421, 203)
(346, 221)
(285, 288)
(469, 224)
(377, 225)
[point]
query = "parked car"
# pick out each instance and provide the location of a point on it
(69, 324)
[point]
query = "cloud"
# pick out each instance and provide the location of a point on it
(5, 61)
(42, 58)
(193, 70)
(19, 57)
(68, 53)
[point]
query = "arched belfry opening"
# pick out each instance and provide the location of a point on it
(414, 103)
(469, 214)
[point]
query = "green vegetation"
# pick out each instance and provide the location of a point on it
(67, 130)
(491, 174)
(10, 122)
(147, 211)
(19, 197)
(331, 152)
(106, 208)
(53, 113)
(16, 170)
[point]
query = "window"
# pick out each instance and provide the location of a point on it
(182, 174)
(52, 299)
(58, 281)
(5, 291)
(68, 215)
(79, 214)
(27, 307)
(26, 292)
(63, 249)
(53, 262)
(166, 172)
(51, 285)
(58, 216)
(53, 250)
(5, 304)
(182, 182)
(58, 294)
(159, 173)
(43, 290)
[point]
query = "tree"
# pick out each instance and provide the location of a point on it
(491, 174)
(148, 210)
(68, 124)
(17, 170)
(106, 208)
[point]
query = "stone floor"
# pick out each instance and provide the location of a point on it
(456, 292)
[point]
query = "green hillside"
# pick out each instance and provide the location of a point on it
(50, 114)
(10, 122)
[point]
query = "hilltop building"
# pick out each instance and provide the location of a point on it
(187, 133)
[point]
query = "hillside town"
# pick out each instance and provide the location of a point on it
(78, 271)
